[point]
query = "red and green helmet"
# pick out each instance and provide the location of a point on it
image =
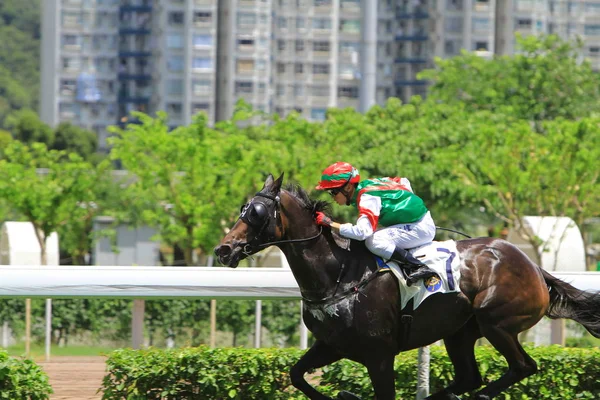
(337, 175)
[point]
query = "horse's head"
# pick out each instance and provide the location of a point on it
(259, 223)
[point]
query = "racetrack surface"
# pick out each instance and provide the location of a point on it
(75, 378)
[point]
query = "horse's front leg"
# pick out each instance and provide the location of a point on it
(319, 355)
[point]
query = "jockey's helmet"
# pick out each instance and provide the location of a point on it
(337, 175)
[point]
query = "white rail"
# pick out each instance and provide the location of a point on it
(168, 282)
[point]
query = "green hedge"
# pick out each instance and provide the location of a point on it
(22, 379)
(257, 374)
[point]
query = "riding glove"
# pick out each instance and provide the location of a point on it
(322, 219)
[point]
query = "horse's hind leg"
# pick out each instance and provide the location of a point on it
(319, 355)
(520, 364)
(461, 350)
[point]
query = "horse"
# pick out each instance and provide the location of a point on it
(354, 311)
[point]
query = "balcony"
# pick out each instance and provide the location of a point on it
(410, 83)
(410, 60)
(141, 8)
(134, 31)
(124, 76)
(134, 54)
(416, 37)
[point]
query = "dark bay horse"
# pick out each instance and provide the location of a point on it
(354, 311)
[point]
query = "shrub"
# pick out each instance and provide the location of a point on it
(22, 379)
(257, 374)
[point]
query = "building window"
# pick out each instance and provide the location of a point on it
(299, 45)
(453, 24)
(319, 91)
(244, 87)
(298, 90)
(71, 63)
(300, 23)
(348, 91)
(282, 22)
(523, 23)
(592, 30)
(245, 44)
(67, 87)
(347, 71)
(350, 25)
(281, 45)
(174, 87)
(174, 41)
(246, 19)
(245, 66)
(321, 3)
(298, 68)
(175, 63)
(321, 46)
(280, 90)
(202, 17)
(481, 46)
(318, 114)
(481, 24)
(174, 110)
(200, 107)
(201, 41)
(176, 18)
(202, 64)
(70, 40)
(280, 68)
(261, 65)
(349, 47)
(321, 69)
(321, 23)
(200, 87)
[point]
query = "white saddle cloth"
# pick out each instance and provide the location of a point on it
(444, 259)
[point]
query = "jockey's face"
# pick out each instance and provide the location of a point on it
(343, 197)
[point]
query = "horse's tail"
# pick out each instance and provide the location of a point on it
(567, 301)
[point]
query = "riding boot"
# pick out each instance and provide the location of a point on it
(417, 269)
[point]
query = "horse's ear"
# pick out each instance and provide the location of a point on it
(269, 181)
(277, 184)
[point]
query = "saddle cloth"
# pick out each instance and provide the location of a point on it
(443, 258)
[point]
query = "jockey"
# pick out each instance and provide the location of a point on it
(388, 203)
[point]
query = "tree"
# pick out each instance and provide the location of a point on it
(189, 182)
(515, 171)
(27, 127)
(544, 81)
(74, 139)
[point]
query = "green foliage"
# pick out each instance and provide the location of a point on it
(264, 374)
(19, 55)
(546, 80)
(27, 127)
(22, 379)
(200, 373)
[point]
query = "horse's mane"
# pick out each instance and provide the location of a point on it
(304, 199)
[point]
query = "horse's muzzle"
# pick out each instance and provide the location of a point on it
(228, 255)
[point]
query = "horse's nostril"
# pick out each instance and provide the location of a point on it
(222, 250)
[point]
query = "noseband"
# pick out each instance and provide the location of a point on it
(255, 211)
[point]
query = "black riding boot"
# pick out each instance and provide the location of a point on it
(417, 270)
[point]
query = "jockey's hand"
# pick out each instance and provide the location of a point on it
(322, 219)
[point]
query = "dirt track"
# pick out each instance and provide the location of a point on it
(75, 378)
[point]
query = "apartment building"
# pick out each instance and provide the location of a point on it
(102, 59)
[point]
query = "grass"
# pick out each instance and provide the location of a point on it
(39, 351)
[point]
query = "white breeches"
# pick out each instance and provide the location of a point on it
(406, 236)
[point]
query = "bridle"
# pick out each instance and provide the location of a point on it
(255, 213)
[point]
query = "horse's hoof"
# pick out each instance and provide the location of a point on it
(344, 395)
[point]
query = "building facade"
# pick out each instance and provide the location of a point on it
(102, 59)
